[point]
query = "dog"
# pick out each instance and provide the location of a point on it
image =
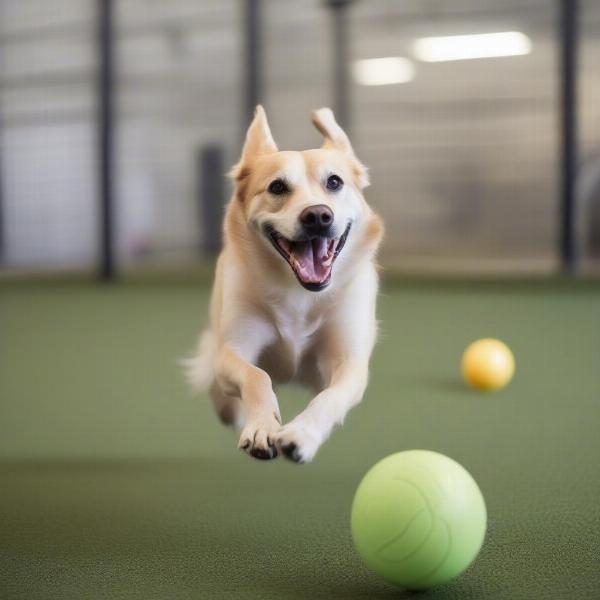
(294, 293)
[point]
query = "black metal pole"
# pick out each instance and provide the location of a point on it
(568, 102)
(341, 81)
(2, 238)
(106, 263)
(253, 92)
(211, 196)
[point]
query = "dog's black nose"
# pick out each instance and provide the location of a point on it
(317, 219)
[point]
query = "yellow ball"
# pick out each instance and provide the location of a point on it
(488, 364)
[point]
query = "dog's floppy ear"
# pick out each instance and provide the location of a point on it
(336, 139)
(335, 136)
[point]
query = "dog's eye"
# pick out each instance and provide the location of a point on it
(334, 182)
(278, 187)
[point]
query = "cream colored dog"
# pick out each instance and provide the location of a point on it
(294, 293)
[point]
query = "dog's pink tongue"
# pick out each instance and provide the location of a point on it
(309, 258)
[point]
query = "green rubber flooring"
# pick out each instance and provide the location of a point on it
(116, 483)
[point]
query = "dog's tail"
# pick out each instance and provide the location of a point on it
(199, 368)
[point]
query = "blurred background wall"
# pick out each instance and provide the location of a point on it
(464, 154)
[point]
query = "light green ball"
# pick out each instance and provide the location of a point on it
(418, 519)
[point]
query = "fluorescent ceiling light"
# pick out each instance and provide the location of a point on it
(383, 71)
(464, 47)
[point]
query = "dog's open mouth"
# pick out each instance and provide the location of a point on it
(311, 259)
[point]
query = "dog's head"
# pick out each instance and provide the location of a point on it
(306, 207)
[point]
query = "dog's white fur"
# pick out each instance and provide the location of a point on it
(264, 326)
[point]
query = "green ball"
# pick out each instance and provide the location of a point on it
(418, 519)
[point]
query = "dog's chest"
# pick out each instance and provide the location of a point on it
(296, 334)
(297, 331)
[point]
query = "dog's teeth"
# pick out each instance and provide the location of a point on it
(284, 244)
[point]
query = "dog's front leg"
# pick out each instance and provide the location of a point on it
(343, 360)
(300, 439)
(238, 376)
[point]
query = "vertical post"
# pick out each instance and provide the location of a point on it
(211, 196)
(341, 84)
(2, 234)
(106, 263)
(568, 37)
(253, 91)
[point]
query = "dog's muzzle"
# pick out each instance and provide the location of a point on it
(311, 258)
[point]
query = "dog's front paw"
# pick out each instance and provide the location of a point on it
(299, 441)
(258, 438)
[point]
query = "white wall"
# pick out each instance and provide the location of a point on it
(463, 159)
(47, 135)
